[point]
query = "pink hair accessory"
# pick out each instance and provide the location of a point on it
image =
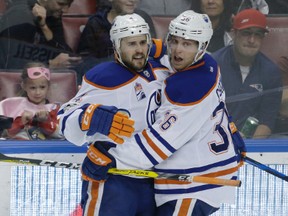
(37, 72)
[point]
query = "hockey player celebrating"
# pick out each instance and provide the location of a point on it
(192, 134)
(132, 83)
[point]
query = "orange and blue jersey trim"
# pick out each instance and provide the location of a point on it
(194, 84)
(154, 146)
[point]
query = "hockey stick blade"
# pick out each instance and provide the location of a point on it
(140, 173)
(265, 168)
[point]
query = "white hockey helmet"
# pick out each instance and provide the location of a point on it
(128, 25)
(193, 26)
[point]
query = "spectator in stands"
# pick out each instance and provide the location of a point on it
(32, 30)
(164, 7)
(281, 126)
(95, 39)
(35, 118)
(250, 79)
(220, 14)
(260, 5)
(95, 45)
(278, 6)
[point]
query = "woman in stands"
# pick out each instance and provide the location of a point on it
(220, 13)
(35, 118)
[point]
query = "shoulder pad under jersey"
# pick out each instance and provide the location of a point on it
(149, 71)
(109, 75)
(157, 65)
(193, 84)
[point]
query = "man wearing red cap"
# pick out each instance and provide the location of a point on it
(251, 80)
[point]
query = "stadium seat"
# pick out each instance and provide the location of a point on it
(275, 43)
(3, 6)
(73, 26)
(161, 24)
(82, 7)
(63, 85)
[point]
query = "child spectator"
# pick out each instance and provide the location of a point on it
(35, 118)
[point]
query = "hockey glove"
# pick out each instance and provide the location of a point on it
(158, 49)
(239, 144)
(97, 163)
(106, 120)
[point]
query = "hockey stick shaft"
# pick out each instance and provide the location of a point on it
(140, 173)
(265, 168)
(176, 177)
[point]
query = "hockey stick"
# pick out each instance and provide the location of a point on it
(265, 168)
(140, 173)
(176, 177)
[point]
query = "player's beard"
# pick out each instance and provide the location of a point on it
(136, 65)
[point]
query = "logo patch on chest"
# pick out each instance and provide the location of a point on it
(139, 91)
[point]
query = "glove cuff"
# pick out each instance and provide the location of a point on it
(98, 157)
(87, 116)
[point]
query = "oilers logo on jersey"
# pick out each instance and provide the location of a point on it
(139, 91)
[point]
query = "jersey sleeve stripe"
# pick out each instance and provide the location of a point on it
(222, 172)
(186, 190)
(154, 146)
(200, 169)
(65, 118)
(148, 155)
(161, 140)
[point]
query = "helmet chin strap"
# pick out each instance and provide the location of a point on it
(201, 51)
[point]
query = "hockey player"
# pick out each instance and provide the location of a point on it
(193, 133)
(132, 83)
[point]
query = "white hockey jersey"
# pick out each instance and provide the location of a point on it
(112, 84)
(191, 135)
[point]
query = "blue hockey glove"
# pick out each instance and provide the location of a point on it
(97, 163)
(239, 144)
(107, 120)
(158, 49)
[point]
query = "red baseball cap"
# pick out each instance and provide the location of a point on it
(250, 18)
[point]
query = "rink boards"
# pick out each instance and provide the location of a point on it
(43, 191)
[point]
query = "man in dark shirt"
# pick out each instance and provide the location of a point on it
(32, 30)
(95, 39)
(252, 81)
